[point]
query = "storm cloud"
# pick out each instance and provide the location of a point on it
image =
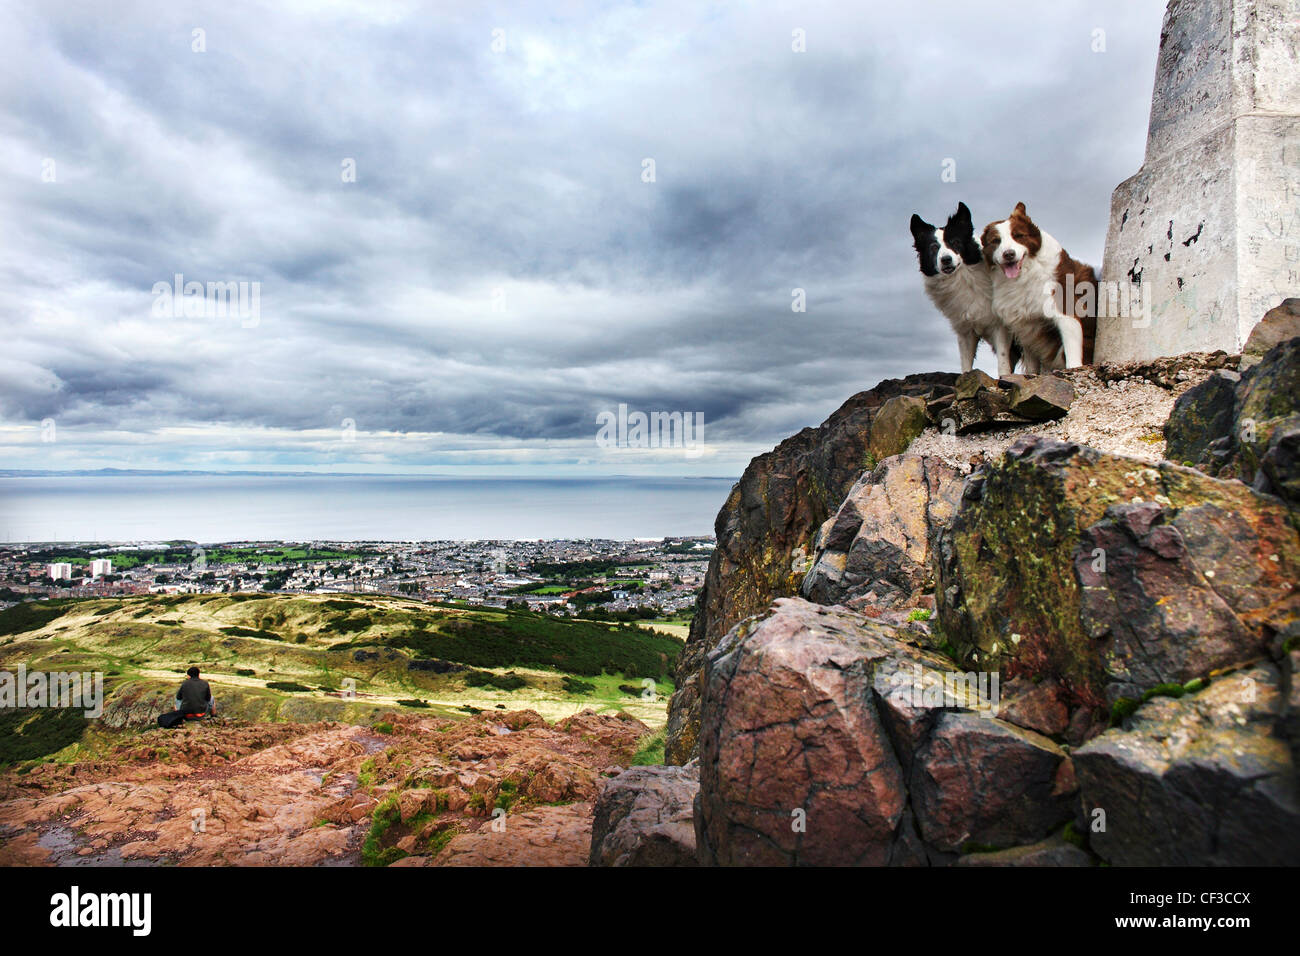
(500, 271)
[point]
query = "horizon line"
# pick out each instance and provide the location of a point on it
(169, 472)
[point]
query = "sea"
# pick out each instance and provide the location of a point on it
(211, 508)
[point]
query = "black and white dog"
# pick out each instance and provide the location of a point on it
(959, 282)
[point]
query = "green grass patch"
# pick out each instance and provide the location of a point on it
(650, 750)
(249, 632)
(373, 851)
(580, 687)
(33, 733)
(1164, 690)
(526, 639)
(30, 616)
(1122, 709)
(438, 840)
(507, 795)
(366, 773)
(499, 681)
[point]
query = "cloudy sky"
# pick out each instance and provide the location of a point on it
(498, 271)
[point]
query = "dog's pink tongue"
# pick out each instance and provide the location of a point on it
(1011, 271)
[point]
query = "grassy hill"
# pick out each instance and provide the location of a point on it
(352, 658)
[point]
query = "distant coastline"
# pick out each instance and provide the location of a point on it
(164, 473)
(253, 506)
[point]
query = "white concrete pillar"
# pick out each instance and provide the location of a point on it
(1209, 227)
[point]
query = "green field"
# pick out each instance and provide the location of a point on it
(288, 657)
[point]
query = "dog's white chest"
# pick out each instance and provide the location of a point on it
(965, 297)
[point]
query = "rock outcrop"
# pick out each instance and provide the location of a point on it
(828, 740)
(1205, 779)
(1113, 577)
(773, 527)
(1246, 425)
(643, 817)
(876, 548)
(1053, 654)
(546, 836)
(979, 402)
(1278, 325)
(765, 530)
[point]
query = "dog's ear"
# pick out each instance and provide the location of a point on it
(962, 214)
(1020, 210)
(986, 241)
(920, 226)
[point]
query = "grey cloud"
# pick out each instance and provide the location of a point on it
(775, 170)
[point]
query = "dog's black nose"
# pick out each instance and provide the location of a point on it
(1009, 255)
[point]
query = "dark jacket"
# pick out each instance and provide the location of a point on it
(195, 696)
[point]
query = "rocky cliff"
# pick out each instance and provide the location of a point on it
(1030, 621)
(765, 530)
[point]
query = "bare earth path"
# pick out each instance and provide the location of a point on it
(305, 794)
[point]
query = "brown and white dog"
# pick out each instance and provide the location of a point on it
(1046, 299)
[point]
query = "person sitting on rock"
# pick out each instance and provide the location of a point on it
(195, 699)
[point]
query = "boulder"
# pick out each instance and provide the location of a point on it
(985, 781)
(643, 817)
(1291, 720)
(1246, 428)
(1040, 398)
(413, 803)
(1108, 575)
(766, 527)
(895, 426)
(1200, 416)
(987, 408)
(1201, 780)
(980, 403)
(1279, 464)
(1043, 707)
(969, 384)
(877, 546)
(1171, 593)
(1268, 398)
(812, 718)
(1278, 325)
(795, 765)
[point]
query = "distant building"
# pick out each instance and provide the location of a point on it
(62, 571)
(100, 567)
